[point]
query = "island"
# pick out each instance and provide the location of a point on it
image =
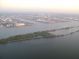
(30, 36)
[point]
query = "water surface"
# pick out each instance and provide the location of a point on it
(66, 47)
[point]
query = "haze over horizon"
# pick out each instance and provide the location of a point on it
(60, 6)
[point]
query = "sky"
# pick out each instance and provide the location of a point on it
(64, 6)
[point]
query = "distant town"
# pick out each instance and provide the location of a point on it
(30, 19)
(11, 21)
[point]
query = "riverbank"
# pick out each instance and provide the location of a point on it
(30, 36)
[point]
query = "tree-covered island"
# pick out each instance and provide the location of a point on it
(30, 36)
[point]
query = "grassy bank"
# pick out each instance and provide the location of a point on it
(30, 36)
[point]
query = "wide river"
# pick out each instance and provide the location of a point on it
(66, 47)
(37, 26)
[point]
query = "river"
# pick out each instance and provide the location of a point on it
(37, 26)
(66, 47)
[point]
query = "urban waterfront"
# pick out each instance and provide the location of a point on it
(39, 29)
(65, 46)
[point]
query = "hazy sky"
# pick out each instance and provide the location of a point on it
(66, 6)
